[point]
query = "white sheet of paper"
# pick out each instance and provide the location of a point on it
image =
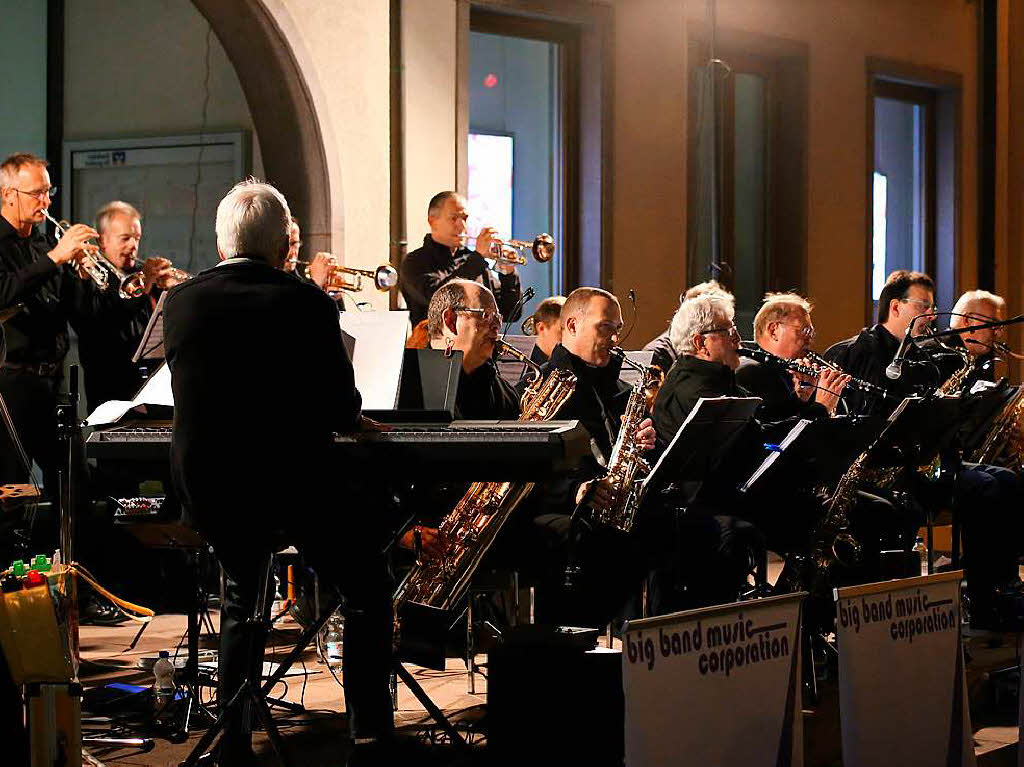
(376, 343)
(156, 391)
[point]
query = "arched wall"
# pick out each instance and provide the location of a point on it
(276, 75)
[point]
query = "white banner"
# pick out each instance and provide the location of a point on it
(902, 697)
(720, 686)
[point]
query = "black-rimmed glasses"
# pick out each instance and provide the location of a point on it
(39, 195)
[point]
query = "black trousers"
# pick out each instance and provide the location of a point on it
(349, 563)
(32, 402)
(987, 501)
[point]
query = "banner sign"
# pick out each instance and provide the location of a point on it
(902, 696)
(719, 685)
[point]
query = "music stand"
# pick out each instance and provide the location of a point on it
(987, 406)
(427, 388)
(151, 346)
(815, 452)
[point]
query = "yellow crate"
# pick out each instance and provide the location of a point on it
(37, 645)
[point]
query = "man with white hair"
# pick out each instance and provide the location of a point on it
(107, 341)
(255, 470)
(976, 307)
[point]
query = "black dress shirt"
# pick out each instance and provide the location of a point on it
(255, 403)
(107, 343)
(426, 269)
(53, 295)
(866, 356)
(485, 395)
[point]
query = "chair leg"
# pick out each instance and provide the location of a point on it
(470, 649)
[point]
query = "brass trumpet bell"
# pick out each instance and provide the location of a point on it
(348, 278)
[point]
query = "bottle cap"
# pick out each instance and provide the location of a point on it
(18, 568)
(34, 578)
(9, 583)
(164, 654)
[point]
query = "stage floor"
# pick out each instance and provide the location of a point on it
(319, 736)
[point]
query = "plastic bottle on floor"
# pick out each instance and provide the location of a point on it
(163, 681)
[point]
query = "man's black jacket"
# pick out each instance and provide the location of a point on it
(53, 296)
(255, 402)
(426, 269)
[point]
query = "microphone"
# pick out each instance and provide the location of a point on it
(526, 296)
(895, 368)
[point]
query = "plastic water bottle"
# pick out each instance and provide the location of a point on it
(163, 681)
(333, 640)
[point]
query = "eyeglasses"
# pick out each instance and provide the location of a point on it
(807, 331)
(919, 303)
(732, 331)
(485, 314)
(51, 193)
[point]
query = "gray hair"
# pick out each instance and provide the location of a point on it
(111, 209)
(975, 297)
(437, 202)
(13, 163)
(253, 220)
(447, 297)
(698, 315)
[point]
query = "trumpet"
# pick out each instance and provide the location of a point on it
(509, 251)
(134, 285)
(349, 278)
(90, 260)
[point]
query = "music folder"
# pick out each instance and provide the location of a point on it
(702, 439)
(427, 388)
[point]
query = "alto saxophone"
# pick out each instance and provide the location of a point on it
(468, 531)
(626, 465)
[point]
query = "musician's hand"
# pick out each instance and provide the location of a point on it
(600, 490)
(157, 271)
(832, 383)
(368, 424)
(430, 540)
(804, 392)
(646, 435)
(320, 269)
(73, 245)
(487, 239)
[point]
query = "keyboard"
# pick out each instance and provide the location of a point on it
(460, 450)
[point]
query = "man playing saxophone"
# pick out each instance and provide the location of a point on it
(985, 498)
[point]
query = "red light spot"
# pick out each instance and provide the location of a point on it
(491, 80)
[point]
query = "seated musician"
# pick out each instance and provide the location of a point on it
(605, 566)
(664, 351)
(783, 328)
(255, 470)
(976, 307)
(547, 326)
(986, 498)
(444, 256)
(462, 316)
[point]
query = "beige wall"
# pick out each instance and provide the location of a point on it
(137, 69)
(842, 35)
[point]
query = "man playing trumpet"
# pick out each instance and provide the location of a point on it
(444, 256)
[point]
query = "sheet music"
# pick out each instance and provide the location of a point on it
(156, 391)
(512, 370)
(775, 453)
(151, 347)
(376, 344)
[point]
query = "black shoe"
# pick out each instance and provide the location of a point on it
(96, 613)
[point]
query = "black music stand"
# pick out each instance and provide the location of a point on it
(815, 453)
(987, 404)
(427, 388)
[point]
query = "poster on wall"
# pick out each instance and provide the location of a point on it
(719, 685)
(175, 182)
(899, 641)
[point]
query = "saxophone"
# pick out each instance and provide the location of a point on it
(950, 388)
(468, 531)
(1004, 445)
(626, 466)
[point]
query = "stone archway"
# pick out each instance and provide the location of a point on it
(283, 112)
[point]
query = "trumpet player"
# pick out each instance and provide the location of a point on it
(444, 257)
(107, 340)
(783, 327)
(38, 272)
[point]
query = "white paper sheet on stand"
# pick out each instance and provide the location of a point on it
(376, 344)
